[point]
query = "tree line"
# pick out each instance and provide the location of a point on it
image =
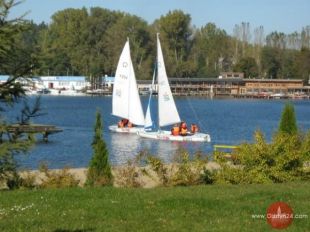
(89, 41)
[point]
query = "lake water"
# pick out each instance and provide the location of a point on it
(228, 121)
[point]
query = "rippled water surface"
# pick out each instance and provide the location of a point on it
(228, 121)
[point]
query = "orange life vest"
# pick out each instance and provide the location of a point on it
(183, 131)
(175, 130)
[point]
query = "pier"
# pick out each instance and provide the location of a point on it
(45, 130)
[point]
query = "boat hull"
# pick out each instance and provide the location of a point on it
(166, 135)
(131, 130)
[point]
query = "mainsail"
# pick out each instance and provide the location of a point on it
(126, 101)
(167, 111)
(149, 123)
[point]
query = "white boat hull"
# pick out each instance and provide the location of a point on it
(166, 135)
(131, 130)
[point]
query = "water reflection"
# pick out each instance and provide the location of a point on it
(124, 147)
(228, 121)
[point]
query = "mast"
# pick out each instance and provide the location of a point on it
(157, 36)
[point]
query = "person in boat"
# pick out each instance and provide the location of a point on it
(123, 123)
(194, 128)
(129, 124)
(183, 129)
(175, 130)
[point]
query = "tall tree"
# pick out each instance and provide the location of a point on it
(301, 63)
(248, 66)
(211, 51)
(175, 33)
(259, 41)
(13, 62)
(136, 29)
(288, 122)
(99, 171)
(271, 62)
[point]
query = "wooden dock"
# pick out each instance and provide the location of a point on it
(45, 130)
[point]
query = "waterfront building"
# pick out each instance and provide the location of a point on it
(3, 78)
(64, 82)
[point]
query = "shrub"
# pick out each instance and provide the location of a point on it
(280, 161)
(288, 122)
(57, 179)
(129, 175)
(99, 171)
(208, 176)
(160, 169)
(188, 172)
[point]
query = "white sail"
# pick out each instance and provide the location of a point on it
(126, 101)
(167, 111)
(148, 116)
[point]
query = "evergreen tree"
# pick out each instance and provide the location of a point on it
(99, 171)
(288, 123)
(14, 61)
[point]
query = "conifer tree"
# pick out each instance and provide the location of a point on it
(12, 63)
(99, 172)
(288, 123)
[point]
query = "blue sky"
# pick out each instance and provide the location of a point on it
(275, 15)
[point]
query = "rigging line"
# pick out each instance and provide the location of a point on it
(200, 124)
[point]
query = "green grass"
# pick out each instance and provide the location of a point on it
(198, 208)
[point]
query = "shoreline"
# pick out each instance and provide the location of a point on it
(149, 180)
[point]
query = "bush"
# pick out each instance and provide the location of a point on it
(280, 161)
(188, 172)
(99, 171)
(208, 176)
(57, 179)
(288, 122)
(129, 175)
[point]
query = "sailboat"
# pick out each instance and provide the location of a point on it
(167, 110)
(126, 102)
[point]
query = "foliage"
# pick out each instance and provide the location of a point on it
(211, 51)
(27, 181)
(88, 42)
(188, 171)
(57, 179)
(288, 122)
(162, 171)
(99, 171)
(208, 176)
(129, 175)
(280, 161)
(248, 66)
(175, 33)
(16, 61)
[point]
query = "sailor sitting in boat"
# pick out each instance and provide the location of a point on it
(183, 129)
(124, 123)
(175, 130)
(194, 128)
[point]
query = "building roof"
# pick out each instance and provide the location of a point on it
(63, 78)
(108, 79)
(273, 80)
(4, 77)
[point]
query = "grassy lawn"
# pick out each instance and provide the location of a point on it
(198, 208)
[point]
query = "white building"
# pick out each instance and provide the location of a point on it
(108, 81)
(64, 82)
(3, 78)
